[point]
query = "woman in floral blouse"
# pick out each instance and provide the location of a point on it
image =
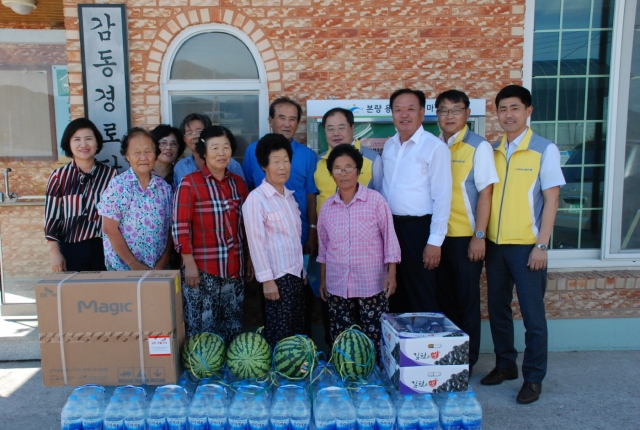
(136, 210)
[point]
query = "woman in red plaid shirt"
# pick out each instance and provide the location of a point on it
(208, 232)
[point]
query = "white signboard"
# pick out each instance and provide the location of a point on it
(376, 108)
(105, 75)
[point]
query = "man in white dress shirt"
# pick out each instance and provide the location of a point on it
(417, 185)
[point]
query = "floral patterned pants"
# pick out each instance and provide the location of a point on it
(285, 317)
(362, 311)
(215, 306)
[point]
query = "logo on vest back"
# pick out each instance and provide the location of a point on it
(457, 161)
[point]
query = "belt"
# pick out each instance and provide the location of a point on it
(403, 218)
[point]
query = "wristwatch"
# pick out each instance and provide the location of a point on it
(542, 246)
(313, 226)
(479, 234)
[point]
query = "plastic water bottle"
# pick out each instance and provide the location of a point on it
(385, 413)
(114, 415)
(92, 414)
(345, 414)
(197, 413)
(258, 414)
(471, 412)
(279, 413)
(238, 413)
(428, 413)
(216, 411)
(324, 417)
(408, 414)
(450, 414)
(300, 415)
(157, 416)
(365, 414)
(71, 416)
(176, 414)
(134, 418)
(185, 382)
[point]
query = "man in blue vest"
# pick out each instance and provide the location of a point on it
(523, 210)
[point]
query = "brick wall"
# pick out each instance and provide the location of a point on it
(314, 49)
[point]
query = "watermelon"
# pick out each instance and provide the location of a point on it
(353, 354)
(294, 357)
(203, 355)
(249, 356)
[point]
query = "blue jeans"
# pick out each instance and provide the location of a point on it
(506, 264)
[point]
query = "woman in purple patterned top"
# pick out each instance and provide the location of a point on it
(136, 210)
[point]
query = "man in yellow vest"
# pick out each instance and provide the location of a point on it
(523, 211)
(338, 124)
(474, 173)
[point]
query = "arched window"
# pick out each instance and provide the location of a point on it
(216, 70)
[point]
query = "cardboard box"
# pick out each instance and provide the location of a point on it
(409, 344)
(425, 379)
(99, 320)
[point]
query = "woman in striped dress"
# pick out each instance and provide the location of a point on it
(72, 225)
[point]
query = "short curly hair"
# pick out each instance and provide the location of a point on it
(214, 131)
(72, 128)
(270, 143)
(349, 151)
(164, 130)
(137, 131)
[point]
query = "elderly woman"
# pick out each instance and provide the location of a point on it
(136, 210)
(207, 231)
(358, 249)
(72, 225)
(171, 144)
(274, 229)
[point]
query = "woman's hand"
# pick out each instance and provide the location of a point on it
(270, 290)
(58, 263)
(136, 265)
(323, 291)
(191, 272)
(390, 282)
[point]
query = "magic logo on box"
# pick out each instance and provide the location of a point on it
(113, 308)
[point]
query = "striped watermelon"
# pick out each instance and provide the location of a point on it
(249, 356)
(203, 355)
(294, 357)
(353, 354)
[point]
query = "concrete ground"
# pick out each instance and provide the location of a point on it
(582, 390)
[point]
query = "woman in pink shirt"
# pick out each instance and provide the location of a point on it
(273, 226)
(358, 249)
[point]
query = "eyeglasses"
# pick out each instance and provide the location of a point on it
(347, 170)
(456, 112)
(165, 145)
(192, 134)
(332, 129)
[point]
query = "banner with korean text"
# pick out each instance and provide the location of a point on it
(105, 75)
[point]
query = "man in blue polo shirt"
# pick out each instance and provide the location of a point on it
(284, 117)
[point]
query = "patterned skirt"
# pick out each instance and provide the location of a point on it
(214, 306)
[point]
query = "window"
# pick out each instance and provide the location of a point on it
(624, 199)
(217, 71)
(570, 89)
(35, 98)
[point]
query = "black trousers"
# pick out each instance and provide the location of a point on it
(84, 256)
(459, 290)
(416, 291)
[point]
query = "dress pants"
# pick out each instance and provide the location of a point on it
(416, 291)
(506, 264)
(459, 290)
(84, 256)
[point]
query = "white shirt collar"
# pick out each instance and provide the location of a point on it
(518, 139)
(415, 138)
(451, 139)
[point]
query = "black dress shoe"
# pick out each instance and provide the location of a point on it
(529, 393)
(497, 375)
